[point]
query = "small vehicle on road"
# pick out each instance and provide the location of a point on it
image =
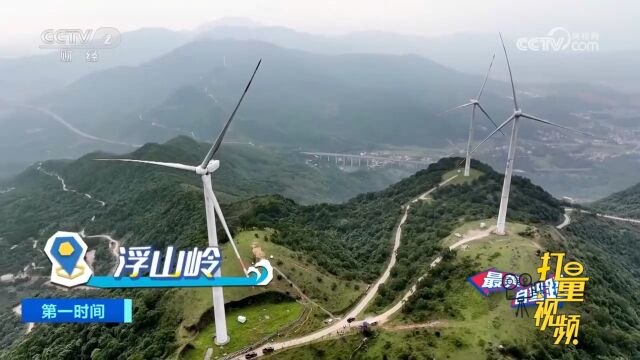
(250, 355)
(267, 350)
(351, 319)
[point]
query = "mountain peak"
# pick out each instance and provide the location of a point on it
(229, 21)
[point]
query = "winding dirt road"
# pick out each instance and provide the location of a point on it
(339, 326)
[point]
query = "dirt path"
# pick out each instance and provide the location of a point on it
(114, 246)
(425, 196)
(340, 326)
(472, 235)
(64, 185)
(430, 324)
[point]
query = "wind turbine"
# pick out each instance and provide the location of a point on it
(212, 207)
(516, 116)
(474, 103)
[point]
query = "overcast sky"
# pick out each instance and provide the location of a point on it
(615, 20)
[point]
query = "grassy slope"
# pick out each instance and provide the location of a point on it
(262, 320)
(479, 322)
(460, 179)
(195, 301)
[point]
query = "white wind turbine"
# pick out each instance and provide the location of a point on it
(474, 103)
(212, 207)
(516, 116)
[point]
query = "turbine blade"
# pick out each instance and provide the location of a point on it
(218, 142)
(218, 210)
(166, 164)
(513, 88)
(456, 108)
(486, 77)
(531, 117)
(494, 131)
(489, 117)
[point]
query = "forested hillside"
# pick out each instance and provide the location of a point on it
(625, 203)
(138, 197)
(351, 241)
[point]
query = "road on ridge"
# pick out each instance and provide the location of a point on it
(567, 218)
(342, 324)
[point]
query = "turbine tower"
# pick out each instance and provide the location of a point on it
(212, 207)
(474, 103)
(516, 116)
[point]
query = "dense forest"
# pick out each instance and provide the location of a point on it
(155, 205)
(611, 311)
(351, 240)
(151, 334)
(625, 203)
(451, 206)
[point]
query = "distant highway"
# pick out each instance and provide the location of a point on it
(70, 127)
(567, 218)
(365, 157)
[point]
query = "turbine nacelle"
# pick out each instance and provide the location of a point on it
(211, 167)
(517, 113)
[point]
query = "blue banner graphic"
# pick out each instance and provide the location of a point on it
(76, 310)
(107, 282)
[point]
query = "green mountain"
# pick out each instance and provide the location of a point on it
(465, 52)
(299, 99)
(132, 192)
(625, 203)
(333, 249)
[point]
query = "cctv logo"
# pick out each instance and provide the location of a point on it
(101, 38)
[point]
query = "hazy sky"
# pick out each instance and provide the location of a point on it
(615, 20)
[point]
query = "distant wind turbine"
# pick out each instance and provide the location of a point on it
(212, 207)
(516, 116)
(474, 103)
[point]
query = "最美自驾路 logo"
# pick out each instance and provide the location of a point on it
(143, 266)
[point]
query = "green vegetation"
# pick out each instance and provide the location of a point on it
(331, 252)
(460, 178)
(262, 320)
(429, 222)
(337, 349)
(475, 325)
(610, 326)
(625, 203)
(351, 240)
(151, 335)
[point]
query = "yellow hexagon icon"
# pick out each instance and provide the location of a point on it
(65, 249)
